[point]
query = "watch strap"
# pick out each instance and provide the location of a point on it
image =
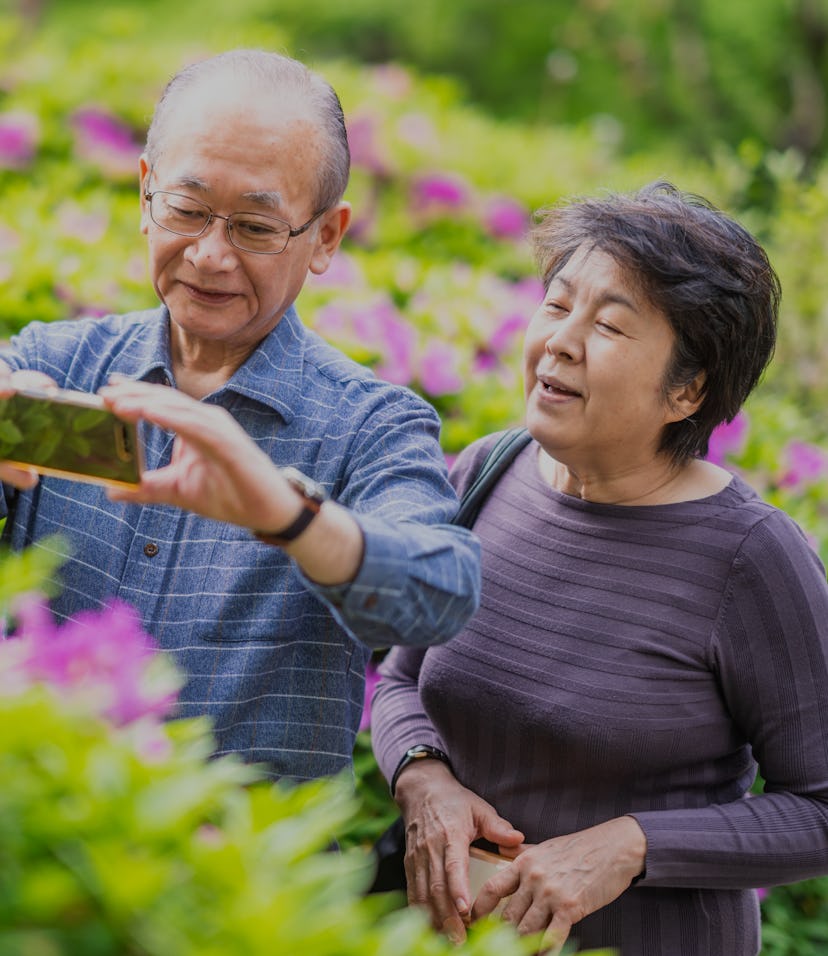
(313, 495)
(418, 752)
(293, 530)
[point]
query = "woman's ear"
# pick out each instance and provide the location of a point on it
(686, 399)
(332, 227)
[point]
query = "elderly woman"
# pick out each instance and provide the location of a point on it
(650, 630)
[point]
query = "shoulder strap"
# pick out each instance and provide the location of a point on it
(502, 454)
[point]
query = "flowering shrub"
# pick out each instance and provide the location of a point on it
(433, 288)
(118, 834)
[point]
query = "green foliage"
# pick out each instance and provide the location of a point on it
(125, 839)
(431, 291)
(795, 919)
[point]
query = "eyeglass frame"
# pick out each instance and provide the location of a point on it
(291, 234)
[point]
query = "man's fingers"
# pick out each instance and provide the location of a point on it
(23, 478)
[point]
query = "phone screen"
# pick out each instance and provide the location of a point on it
(69, 434)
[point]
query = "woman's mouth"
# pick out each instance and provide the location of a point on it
(557, 389)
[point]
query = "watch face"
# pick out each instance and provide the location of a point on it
(307, 487)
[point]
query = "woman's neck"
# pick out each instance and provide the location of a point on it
(658, 482)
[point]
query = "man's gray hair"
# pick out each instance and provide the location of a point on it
(279, 73)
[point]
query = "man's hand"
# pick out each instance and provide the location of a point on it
(10, 382)
(442, 820)
(557, 883)
(218, 471)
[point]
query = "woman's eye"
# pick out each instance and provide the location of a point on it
(608, 328)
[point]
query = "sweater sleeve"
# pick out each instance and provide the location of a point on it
(770, 653)
(398, 720)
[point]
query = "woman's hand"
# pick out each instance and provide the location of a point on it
(442, 820)
(555, 884)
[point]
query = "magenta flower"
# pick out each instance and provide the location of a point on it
(728, 439)
(105, 140)
(101, 655)
(383, 325)
(806, 464)
(505, 218)
(371, 680)
(440, 192)
(509, 330)
(439, 369)
(365, 150)
(18, 139)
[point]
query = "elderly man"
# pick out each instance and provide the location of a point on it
(269, 600)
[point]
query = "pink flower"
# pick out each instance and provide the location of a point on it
(440, 192)
(106, 141)
(18, 139)
(362, 142)
(806, 464)
(383, 325)
(505, 218)
(371, 680)
(439, 369)
(508, 331)
(102, 655)
(728, 439)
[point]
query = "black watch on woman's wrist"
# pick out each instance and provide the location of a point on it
(418, 752)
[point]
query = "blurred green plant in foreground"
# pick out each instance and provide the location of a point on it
(433, 288)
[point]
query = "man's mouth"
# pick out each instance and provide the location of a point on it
(208, 295)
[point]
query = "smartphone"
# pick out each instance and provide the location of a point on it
(69, 434)
(482, 865)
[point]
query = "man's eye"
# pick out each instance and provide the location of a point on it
(186, 212)
(256, 230)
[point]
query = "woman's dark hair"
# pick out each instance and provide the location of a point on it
(703, 271)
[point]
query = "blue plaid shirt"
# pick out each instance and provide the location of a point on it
(276, 661)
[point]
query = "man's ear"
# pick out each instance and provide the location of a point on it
(144, 172)
(332, 227)
(686, 399)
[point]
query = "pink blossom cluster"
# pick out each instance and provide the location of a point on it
(102, 656)
(18, 139)
(106, 141)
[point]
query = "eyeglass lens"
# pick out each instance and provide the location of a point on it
(189, 217)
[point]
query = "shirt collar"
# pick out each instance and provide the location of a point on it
(272, 374)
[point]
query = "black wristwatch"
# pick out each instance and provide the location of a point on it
(313, 495)
(419, 752)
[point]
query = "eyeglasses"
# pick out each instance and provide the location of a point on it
(247, 231)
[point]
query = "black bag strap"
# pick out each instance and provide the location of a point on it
(502, 454)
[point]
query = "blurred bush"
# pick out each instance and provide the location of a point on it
(434, 285)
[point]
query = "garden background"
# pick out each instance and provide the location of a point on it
(463, 118)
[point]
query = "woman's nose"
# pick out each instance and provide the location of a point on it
(566, 340)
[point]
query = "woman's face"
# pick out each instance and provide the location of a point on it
(595, 356)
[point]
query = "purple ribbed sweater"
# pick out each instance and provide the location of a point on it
(638, 660)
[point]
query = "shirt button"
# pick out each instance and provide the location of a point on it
(370, 602)
(150, 549)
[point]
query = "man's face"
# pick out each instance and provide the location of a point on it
(237, 153)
